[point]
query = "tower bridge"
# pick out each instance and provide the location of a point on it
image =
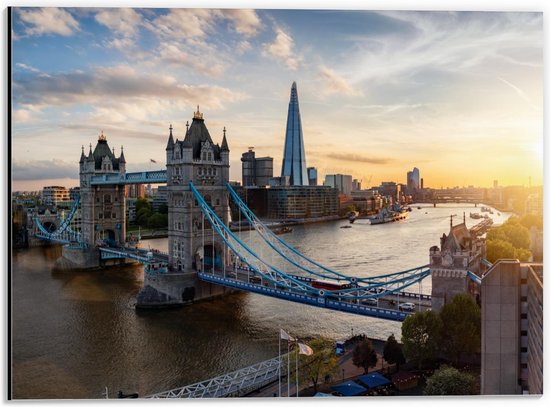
(205, 258)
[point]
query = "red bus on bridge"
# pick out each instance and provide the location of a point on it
(330, 285)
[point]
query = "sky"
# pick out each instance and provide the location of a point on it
(457, 94)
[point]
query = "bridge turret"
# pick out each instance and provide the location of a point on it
(122, 161)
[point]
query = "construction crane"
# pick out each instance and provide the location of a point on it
(368, 182)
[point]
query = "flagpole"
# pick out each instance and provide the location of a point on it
(297, 354)
(288, 369)
(280, 362)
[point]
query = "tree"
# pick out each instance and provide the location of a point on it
(420, 334)
(523, 254)
(461, 323)
(364, 355)
(321, 364)
(499, 249)
(449, 381)
(142, 203)
(393, 352)
(142, 216)
(157, 220)
(163, 208)
(517, 234)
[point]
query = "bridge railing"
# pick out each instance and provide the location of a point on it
(236, 383)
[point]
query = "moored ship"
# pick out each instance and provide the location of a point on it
(389, 215)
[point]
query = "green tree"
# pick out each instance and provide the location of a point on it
(499, 249)
(522, 254)
(461, 323)
(517, 234)
(142, 216)
(163, 208)
(449, 381)
(364, 355)
(322, 363)
(156, 220)
(420, 334)
(393, 352)
(142, 203)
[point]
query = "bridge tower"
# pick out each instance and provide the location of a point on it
(461, 252)
(192, 245)
(103, 208)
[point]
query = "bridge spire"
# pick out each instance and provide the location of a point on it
(224, 146)
(82, 156)
(121, 159)
(170, 145)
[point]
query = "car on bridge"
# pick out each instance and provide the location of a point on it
(407, 306)
(369, 301)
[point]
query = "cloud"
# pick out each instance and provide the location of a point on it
(44, 169)
(282, 48)
(184, 24)
(48, 20)
(521, 94)
(27, 67)
(358, 158)
(124, 24)
(205, 62)
(335, 83)
(119, 82)
(245, 22)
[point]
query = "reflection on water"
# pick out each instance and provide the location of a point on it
(75, 332)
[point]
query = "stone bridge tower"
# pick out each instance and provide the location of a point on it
(461, 252)
(103, 207)
(195, 158)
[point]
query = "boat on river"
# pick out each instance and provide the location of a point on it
(387, 215)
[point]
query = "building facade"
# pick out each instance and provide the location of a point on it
(312, 176)
(53, 195)
(413, 180)
(343, 183)
(301, 202)
(294, 158)
(256, 171)
(512, 329)
(102, 207)
(206, 164)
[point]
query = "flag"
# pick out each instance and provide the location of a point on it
(153, 161)
(305, 350)
(286, 336)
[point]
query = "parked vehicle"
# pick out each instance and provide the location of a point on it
(369, 301)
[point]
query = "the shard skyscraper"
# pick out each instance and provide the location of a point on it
(294, 159)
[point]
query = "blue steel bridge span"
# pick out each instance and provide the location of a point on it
(247, 270)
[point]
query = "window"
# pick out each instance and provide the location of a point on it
(107, 198)
(209, 156)
(204, 156)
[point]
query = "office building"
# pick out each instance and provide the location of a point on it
(343, 183)
(53, 195)
(413, 181)
(256, 171)
(301, 202)
(294, 158)
(356, 185)
(511, 329)
(312, 176)
(160, 198)
(135, 191)
(390, 190)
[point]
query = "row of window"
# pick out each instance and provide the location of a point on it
(206, 156)
(107, 198)
(208, 171)
(101, 215)
(178, 251)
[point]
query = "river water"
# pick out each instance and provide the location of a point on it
(75, 333)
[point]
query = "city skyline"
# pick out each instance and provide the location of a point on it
(381, 92)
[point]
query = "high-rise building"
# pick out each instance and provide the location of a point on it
(343, 183)
(294, 159)
(413, 180)
(312, 176)
(512, 329)
(53, 195)
(256, 171)
(356, 185)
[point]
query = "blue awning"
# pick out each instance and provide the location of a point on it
(373, 380)
(349, 388)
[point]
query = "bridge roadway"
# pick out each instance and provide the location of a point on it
(387, 307)
(140, 255)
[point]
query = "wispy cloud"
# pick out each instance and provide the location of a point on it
(124, 23)
(335, 83)
(358, 158)
(48, 20)
(521, 94)
(282, 49)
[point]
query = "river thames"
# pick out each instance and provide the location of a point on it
(75, 333)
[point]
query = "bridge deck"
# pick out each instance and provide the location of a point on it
(384, 310)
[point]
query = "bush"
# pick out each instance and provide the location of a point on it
(449, 381)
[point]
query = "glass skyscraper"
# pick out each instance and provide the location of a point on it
(294, 159)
